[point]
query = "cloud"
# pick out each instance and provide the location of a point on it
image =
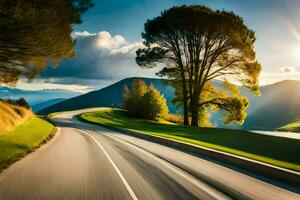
(83, 34)
(106, 41)
(100, 56)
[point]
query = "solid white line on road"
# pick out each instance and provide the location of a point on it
(132, 194)
(209, 190)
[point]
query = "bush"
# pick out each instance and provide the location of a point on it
(175, 118)
(145, 101)
(23, 103)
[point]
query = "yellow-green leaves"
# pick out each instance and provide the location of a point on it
(145, 101)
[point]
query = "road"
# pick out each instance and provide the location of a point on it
(85, 161)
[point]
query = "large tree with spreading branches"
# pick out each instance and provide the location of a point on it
(35, 34)
(197, 45)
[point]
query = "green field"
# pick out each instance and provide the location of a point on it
(24, 139)
(277, 151)
(291, 127)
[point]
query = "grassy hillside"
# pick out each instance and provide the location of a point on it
(12, 116)
(277, 151)
(23, 139)
(291, 127)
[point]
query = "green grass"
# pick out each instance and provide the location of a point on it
(277, 151)
(291, 127)
(24, 139)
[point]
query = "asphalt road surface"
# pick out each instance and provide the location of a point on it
(85, 161)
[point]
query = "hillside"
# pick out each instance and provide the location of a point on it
(12, 116)
(45, 104)
(109, 96)
(278, 104)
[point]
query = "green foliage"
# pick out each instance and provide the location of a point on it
(22, 102)
(35, 34)
(198, 44)
(291, 127)
(278, 151)
(145, 101)
(227, 100)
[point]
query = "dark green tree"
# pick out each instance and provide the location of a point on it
(35, 34)
(23, 103)
(197, 44)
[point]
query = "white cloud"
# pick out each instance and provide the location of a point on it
(128, 49)
(83, 34)
(106, 41)
(99, 57)
(41, 84)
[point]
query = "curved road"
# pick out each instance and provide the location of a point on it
(85, 161)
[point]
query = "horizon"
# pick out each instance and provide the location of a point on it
(81, 92)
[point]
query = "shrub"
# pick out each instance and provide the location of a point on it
(144, 101)
(23, 103)
(175, 118)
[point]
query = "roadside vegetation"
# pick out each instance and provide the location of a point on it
(23, 139)
(291, 127)
(277, 151)
(13, 113)
(144, 101)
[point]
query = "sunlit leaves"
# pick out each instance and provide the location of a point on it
(35, 34)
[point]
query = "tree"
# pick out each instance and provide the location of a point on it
(35, 34)
(197, 44)
(145, 101)
(23, 103)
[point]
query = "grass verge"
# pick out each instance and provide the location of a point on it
(24, 139)
(291, 127)
(282, 152)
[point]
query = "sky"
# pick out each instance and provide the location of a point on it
(111, 33)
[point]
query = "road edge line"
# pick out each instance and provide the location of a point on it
(132, 194)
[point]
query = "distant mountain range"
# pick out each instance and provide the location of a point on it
(38, 99)
(278, 104)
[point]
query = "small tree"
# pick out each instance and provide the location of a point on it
(23, 103)
(144, 101)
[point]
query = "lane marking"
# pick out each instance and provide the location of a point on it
(208, 189)
(132, 194)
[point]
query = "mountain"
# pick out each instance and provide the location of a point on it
(109, 96)
(34, 97)
(278, 104)
(45, 104)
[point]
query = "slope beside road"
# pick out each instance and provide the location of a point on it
(85, 161)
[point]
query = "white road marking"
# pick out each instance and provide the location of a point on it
(211, 191)
(132, 194)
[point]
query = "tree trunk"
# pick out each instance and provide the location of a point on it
(194, 108)
(195, 115)
(185, 113)
(185, 104)
(185, 96)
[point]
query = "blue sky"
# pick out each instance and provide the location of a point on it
(119, 23)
